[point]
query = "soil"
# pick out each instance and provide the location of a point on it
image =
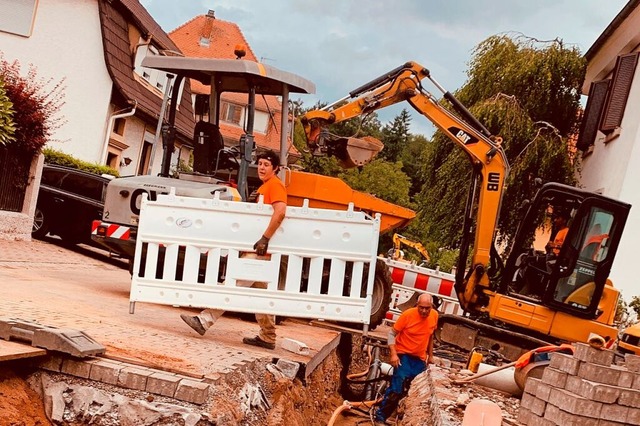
(19, 404)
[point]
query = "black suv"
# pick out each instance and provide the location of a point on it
(68, 202)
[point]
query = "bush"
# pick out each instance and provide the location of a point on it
(7, 127)
(52, 156)
(36, 104)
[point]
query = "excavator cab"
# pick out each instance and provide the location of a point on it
(573, 278)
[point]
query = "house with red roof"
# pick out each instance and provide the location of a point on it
(206, 36)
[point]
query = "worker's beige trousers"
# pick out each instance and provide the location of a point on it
(267, 323)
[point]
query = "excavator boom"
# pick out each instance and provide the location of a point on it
(489, 162)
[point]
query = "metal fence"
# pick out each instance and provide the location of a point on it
(14, 176)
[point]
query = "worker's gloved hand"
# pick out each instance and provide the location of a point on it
(261, 246)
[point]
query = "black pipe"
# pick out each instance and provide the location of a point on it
(169, 137)
(379, 81)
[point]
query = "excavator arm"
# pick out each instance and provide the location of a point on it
(488, 161)
(399, 240)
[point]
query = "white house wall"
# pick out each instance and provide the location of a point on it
(67, 43)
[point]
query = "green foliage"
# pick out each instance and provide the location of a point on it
(395, 136)
(526, 92)
(52, 156)
(7, 127)
(634, 305)
(36, 103)
(382, 179)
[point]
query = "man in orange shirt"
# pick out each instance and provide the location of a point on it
(560, 221)
(411, 349)
(273, 192)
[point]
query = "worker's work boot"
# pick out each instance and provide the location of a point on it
(256, 341)
(194, 322)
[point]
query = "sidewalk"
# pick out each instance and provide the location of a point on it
(83, 289)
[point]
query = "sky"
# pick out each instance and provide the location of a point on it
(341, 44)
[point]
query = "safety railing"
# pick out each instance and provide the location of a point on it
(189, 253)
(409, 278)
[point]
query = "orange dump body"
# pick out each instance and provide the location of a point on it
(331, 193)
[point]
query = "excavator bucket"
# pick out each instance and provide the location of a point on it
(355, 152)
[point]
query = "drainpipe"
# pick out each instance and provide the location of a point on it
(112, 119)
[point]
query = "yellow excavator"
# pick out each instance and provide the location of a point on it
(400, 240)
(530, 298)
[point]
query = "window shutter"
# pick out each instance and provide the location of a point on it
(620, 86)
(237, 112)
(592, 113)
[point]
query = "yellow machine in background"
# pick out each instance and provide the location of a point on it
(533, 297)
(400, 240)
(629, 343)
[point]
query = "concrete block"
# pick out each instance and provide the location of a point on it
(295, 346)
(561, 417)
(602, 422)
(76, 368)
(633, 416)
(632, 362)
(586, 353)
(51, 363)
(162, 383)
(543, 391)
(614, 412)
(594, 391)
(599, 373)
(629, 398)
(531, 386)
(105, 371)
(574, 404)
(525, 416)
(462, 337)
(627, 378)
(566, 363)
(192, 391)
(636, 383)
(554, 377)
(288, 368)
(134, 378)
(533, 404)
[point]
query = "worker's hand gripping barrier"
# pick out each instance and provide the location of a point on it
(321, 263)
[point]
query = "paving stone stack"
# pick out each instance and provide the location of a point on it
(585, 389)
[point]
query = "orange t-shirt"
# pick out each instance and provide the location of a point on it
(414, 332)
(273, 191)
(559, 240)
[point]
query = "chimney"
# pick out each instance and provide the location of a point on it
(211, 14)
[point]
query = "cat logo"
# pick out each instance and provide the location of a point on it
(462, 136)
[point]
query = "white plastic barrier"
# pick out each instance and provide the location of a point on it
(186, 247)
(409, 278)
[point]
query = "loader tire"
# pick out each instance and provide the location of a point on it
(381, 298)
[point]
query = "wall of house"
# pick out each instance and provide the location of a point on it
(613, 169)
(66, 43)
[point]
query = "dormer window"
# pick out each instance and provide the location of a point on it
(205, 41)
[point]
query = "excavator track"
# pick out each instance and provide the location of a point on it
(467, 334)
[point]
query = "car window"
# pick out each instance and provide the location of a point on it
(83, 185)
(52, 177)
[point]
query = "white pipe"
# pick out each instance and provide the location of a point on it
(112, 119)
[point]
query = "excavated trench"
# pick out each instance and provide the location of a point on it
(256, 394)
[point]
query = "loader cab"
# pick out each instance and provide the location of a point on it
(572, 278)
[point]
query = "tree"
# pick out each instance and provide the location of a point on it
(395, 136)
(634, 305)
(381, 178)
(527, 92)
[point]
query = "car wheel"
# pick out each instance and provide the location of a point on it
(40, 226)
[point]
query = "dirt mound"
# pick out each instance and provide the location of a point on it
(19, 404)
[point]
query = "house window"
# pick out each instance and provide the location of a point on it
(118, 126)
(18, 16)
(230, 113)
